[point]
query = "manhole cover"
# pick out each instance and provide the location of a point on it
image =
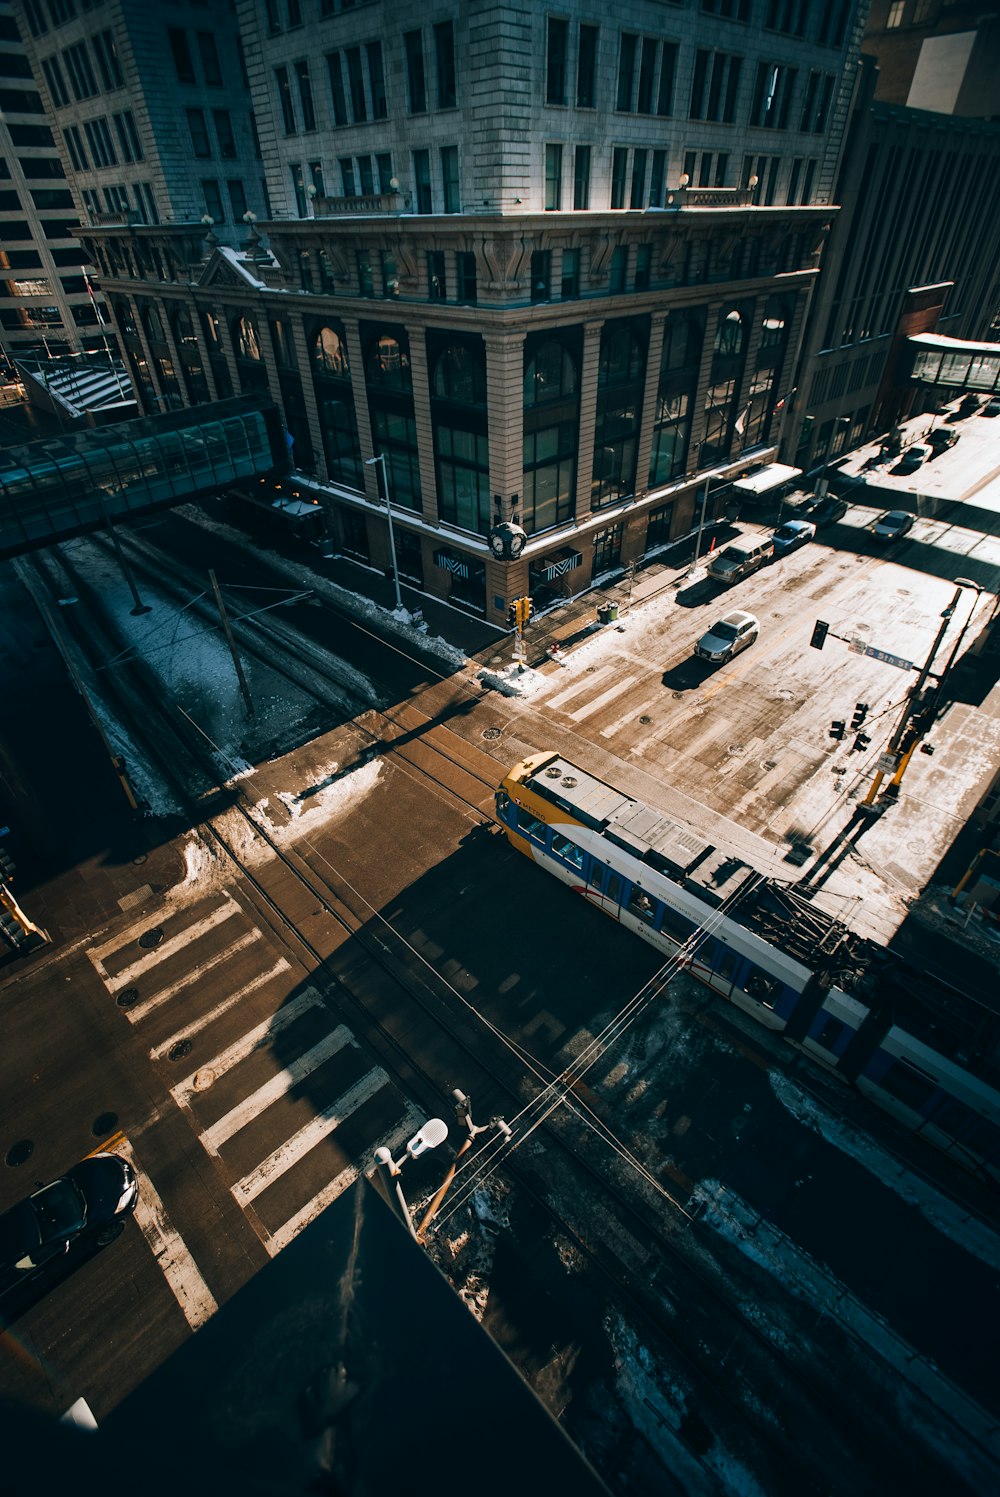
(178, 1051)
(645, 720)
(151, 937)
(768, 764)
(677, 695)
(736, 749)
(127, 997)
(491, 733)
(203, 1079)
(105, 1124)
(20, 1152)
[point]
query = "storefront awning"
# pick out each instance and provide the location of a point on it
(456, 565)
(551, 567)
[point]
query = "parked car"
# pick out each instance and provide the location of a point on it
(893, 525)
(737, 561)
(991, 408)
(828, 511)
(792, 535)
(912, 458)
(91, 1201)
(942, 437)
(728, 637)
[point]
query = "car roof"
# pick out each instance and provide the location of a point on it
(737, 617)
(797, 525)
(893, 515)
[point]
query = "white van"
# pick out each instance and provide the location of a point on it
(737, 561)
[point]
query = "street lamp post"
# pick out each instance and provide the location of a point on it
(433, 1133)
(380, 459)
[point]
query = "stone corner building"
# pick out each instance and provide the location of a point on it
(552, 264)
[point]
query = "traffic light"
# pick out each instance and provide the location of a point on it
(860, 713)
(529, 608)
(820, 631)
(512, 616)
(860, 743)
(837, 729)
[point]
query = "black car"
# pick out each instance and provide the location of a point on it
(829, 510)
(90, 1202)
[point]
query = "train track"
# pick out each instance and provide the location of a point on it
(561, 1145)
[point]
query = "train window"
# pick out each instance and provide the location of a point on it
(597, 874)
(952, 1117)
(530, 825)
(614, 889)
(908, 1085)
(676, 926)
(727, 964)
(640, 904)
(762, 986)
(830, 1033)
(567, 850)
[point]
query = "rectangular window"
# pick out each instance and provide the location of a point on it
(437, 284)
(99, 139)
(128, 136)
(657, 179)
(643, 266)
(213, 201)
(75, 146)
(200, 143)
(636, 195)
(376, 81)
(305, 95)
(103, 43)
(772, 96)
(224, 134)
(555, 62)
(465, 267)
(81, 74)
(53, 75)
(237, 199)
(816, 106)
(626, 71)
(619, 268)
(553, 177)
(356, 85)
(715, 85)
(619, 173)
(570, 287)
(366, 284)
(449, 179)
(416, 82)
(647, 73)
(366, 177)
(285, 96)
(422, 181)
(316, 178)
(586, 68)
(347, 182)
(668, 72)
(444, 56)
(383, 165)
(183, 66)
(209, 54)
(298, 188)
(581, 177)
(337, 97)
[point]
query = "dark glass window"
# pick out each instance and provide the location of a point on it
(586, 68)
(581, 177)
(444, 55)
(181, 54)
(626, 70)
(555, 62)
(416, 81)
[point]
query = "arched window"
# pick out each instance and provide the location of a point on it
(331, 371)
(459, 376)
(390, 407)
(551, 432)
(388, 365)
(620, 376)
(550, 374)
(330, 354)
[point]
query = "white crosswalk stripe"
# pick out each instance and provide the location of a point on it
(278, 1050)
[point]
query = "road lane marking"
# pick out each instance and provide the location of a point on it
(168, 948)
(169, 1249)
(260, 981)
(608, 696)
(249, 1107)
(578, 687)
(630, 717)
(157, 1000)
(307, 1137)
(392, 1140)
(246, 1044)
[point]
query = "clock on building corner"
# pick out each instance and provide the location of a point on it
(507, 541)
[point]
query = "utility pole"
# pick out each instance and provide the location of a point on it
(379, 458)
(244, 688)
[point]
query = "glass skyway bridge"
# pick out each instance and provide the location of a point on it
(954, 363)
(74, 483)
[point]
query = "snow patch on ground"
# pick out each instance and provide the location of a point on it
(465, 1253)
(333, 795)
(946, 1216)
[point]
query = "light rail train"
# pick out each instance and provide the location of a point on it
(920, 1049)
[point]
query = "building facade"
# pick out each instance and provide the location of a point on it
(554, 268)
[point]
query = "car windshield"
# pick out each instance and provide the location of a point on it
(724, 631)
(786, 533)
(894, 517)
(59, 1210)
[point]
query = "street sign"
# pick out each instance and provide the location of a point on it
(858, 647)
(887, 763)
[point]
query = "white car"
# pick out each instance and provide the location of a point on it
(728, 637)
